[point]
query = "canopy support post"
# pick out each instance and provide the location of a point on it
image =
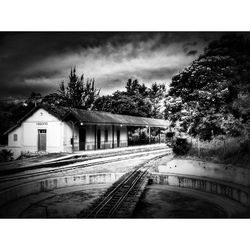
(159, 135)
(73, 135)
(113, 136)
(149, 134)
(95, 137)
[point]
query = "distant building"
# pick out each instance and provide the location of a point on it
(60, 129)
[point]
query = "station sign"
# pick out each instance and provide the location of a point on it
(42, 123)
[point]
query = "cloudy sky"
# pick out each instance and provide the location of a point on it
(40, 61)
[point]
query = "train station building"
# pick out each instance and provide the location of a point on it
(60, 129)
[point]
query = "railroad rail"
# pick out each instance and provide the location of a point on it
(81, 165)
(117, 203)
(71, 160)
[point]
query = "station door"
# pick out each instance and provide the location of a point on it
(42, 138)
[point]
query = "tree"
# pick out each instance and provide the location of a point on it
(137, 100)
(77, 94)
(34, 99)
(134, 88)
(157, 93)
(204, 97)
(11, 112)
(121, 103)
(133, 101)
(104, 103)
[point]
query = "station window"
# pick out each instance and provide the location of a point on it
(42, 131)
(106, 133)
(15, 137)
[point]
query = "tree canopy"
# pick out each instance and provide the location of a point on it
(137, 100)
(77, 93)
(206, 97)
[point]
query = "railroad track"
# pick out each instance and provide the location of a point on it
(70, 167)
(119, 201)
(71, 160)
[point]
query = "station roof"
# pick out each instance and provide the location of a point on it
(94, 117)
(97, 117)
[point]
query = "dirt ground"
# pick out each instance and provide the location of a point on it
(160, 203)
(65, 204)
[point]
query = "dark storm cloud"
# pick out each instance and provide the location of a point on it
(19, 91)
(160, 75)
(40, 61)
(192, 52)
(191, 43)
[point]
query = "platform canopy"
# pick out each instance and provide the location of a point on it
(94, 117)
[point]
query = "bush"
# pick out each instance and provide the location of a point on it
(6, 155)
(244, 147)
(170, 134)
(181, 146)
(227, 150)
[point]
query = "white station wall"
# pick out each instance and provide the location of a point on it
(59, 134)
(67, 135)
(41, 119)
(15, 146)
(27, 133)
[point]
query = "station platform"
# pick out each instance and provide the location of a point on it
(109, 151)
(78, 155)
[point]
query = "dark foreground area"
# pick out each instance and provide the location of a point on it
(156, 203)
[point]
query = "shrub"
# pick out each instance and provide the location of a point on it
(181, 146)
(6, 155)
(244, 147)
(228, 150)
(170, 134)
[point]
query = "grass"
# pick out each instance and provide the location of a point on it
(232, 150)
